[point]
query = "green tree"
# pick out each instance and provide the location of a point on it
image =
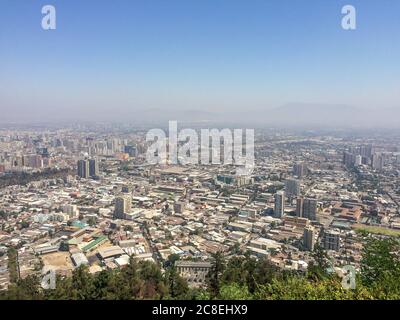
(265, 272)
(380, 262)
(235, 292)
(177, 286)
(215, 274)
(13, 264)
(234, 271)
(82, 284)
(317, 268)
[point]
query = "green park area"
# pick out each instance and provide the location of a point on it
(378, 230)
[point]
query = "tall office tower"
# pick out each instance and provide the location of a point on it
(279, 208)
(292, 187)
(299, 170)
(349, 159)
(377, 162)
(114, 145)
(123, 205)
(310, 209)
(366, 151)
(93, 168)
(358, 160)
(299, 206)
(83, 169)
(331, 240)
(309, 238)
(306, 208)
(110, 145)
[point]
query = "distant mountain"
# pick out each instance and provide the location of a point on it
(179, 115)
(297, 115)
(330, 115)
(288, 115)
(313, 114)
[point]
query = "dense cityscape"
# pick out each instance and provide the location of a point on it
(86, 198)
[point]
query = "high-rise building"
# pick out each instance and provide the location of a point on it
(93, 168)
(366, 151)
(331, 240)
(349, 159)
(309, 238)
(279, 208)
(299, 206)
(292, 187)
(358, 160)
(310, 209)
(88, 168)
(83, 169)
(306, 208)
(123, 205)
(377, 162)
(299, 170)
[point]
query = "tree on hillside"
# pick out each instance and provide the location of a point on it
(215, 274)
(317, 268)
(380, 260)
(177, 286)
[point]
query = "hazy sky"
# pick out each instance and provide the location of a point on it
(110, 57)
